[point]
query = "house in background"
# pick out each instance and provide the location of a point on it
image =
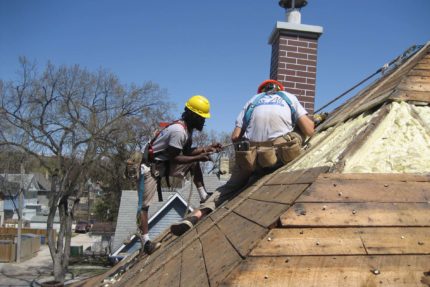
(36, 188)
(162, 214)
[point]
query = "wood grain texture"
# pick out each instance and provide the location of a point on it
(263, 213)
(220, 256)
(328, 271)
(357, 214)
(364, 190)
(242, 233)
(193, 270)
(279, 193)
(344, 241)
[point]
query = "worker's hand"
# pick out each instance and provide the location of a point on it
(215, 147)
(203, 157)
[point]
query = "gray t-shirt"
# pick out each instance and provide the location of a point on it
(271, 117)
(174, 135)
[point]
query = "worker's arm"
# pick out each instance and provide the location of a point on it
(235, 135)
(177, 157)
(306, 125)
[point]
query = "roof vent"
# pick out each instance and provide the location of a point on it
(292, 8)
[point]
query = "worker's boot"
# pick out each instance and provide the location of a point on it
(149, 247)
(183, 226)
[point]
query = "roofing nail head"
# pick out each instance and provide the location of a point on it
(376, 271)
(269, 239)
(324, 207)
(317, 243)
(340, 193)
(420, 243)
(402, 237)
(266, 277)
(386, 185)
(354, 211)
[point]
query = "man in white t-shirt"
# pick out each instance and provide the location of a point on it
(170, 153)
(265, 139)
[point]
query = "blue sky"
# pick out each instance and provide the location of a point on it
(215, 48)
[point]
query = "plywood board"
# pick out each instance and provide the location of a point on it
(344, 241)
(171, 273)
(396, 240)
(242, 233)
(378, 176)
(310, 241)
(402, 95)
(299, 176)
(340, 190)
(279, 193)
(204, 225)
(220, 256)
(357, 214)
(193, 271)
(329, 271)
(263, 213)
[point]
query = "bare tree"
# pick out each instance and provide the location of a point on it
(70, 119)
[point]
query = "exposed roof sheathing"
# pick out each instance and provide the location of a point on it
(353, 210)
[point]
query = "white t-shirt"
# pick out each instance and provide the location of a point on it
(174, 135)
(271, 117)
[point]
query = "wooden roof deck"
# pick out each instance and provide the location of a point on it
(303, 228)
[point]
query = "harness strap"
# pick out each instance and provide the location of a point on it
(255, 103)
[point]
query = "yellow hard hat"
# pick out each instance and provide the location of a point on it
(199, 105)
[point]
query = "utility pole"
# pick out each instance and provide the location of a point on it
(20, 202)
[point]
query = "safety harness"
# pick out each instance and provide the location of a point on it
(256, 103)
(149, 158)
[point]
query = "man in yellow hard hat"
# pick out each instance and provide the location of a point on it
(170, 153)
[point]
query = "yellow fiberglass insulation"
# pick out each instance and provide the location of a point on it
(400, 144)
(326, 150)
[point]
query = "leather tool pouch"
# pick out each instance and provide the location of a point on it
(266, 157)
(246, 159)
(291, 149)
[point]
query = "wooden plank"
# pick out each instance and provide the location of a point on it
(171, 273)
(299, 176)
(309, 241)
(279, 193)
(378, 176)
(357, 214)
(263, 213)
(204, 225)
(340, 190)
(220, 256)
(425, 73)
(422, 66)
(396, 240)
(328, 271)
(402, 95)
(242, 233)
(344, 241)
(219, 213)
(415, 79)
(193, 272)
(154, 280)
(422, 87)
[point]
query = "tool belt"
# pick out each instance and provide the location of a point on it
(270, 153)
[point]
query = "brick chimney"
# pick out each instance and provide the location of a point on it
(294, 56)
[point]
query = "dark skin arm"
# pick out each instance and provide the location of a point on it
(197, 154)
